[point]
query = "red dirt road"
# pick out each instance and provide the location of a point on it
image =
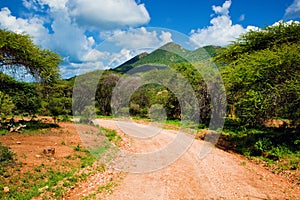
(220, 175)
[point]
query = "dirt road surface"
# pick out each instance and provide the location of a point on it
(220, 175)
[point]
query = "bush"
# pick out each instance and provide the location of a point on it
(6, 156)
(262, 145)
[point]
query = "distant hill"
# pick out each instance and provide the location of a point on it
(128, 65)
(170, 53)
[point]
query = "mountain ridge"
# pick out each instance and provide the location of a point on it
(168, 54)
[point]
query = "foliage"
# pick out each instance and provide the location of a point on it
(84, 90)
(18, 50)
(110, 134)
(56, 98)
(24, 95)
(277, 146)
(6, 104)
(106, 85)
(263, 73)
(168, 54)
(88, 114)
(6, 156)
(257, 40)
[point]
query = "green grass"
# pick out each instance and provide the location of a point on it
(278, 147)
(47, 182)
(173, 122)
(32, 183)
(103, 189)
(107, 187)
(6, 155)
(3, 131)
(110, 134)
(105, 117)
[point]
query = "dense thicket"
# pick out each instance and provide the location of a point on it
(262, 74)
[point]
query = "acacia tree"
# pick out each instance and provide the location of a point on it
(18, 50)
(263, 72)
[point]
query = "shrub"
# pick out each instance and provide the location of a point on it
(262, 145)
(6, 156)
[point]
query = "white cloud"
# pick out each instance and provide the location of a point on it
(54, 4)
(37, 5)
(33, 26)
(139, 38)
(242, 18)
(222, 31)
(224, 9)
(62, 26)
(73, 69)
(108, 14)
(67, 37)
(165, 37)
(293, 11)
(120, 57)
(95, 55)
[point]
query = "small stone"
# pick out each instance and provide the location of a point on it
(6, 189)
(38, 156)
(19, 142)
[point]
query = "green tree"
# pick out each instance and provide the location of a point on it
(263, 73)
(25, 96)
(107, 82)
(6, 105)
(56, 100)
(18, 50)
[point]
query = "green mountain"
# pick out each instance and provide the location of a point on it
(128, 65)
(170, 53)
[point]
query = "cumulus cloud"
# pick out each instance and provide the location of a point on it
(222, 31)
(293, 11)
(139, 38)
(120, 57)
(39, 5)
(72, 69)
(224, 9)
(95, 55)
(33, 26)
(67, 38)
(108, 14)
(63, 26)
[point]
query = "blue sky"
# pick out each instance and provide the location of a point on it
(101, 34)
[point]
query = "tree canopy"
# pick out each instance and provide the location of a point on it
(18, 50)
(263, 72)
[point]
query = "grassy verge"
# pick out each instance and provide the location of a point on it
(51, 179)
(43, 180)
(277, 149)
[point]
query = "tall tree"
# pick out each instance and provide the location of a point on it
(263, 72)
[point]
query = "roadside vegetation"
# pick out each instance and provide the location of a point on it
(51, 177)
(260, 70)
